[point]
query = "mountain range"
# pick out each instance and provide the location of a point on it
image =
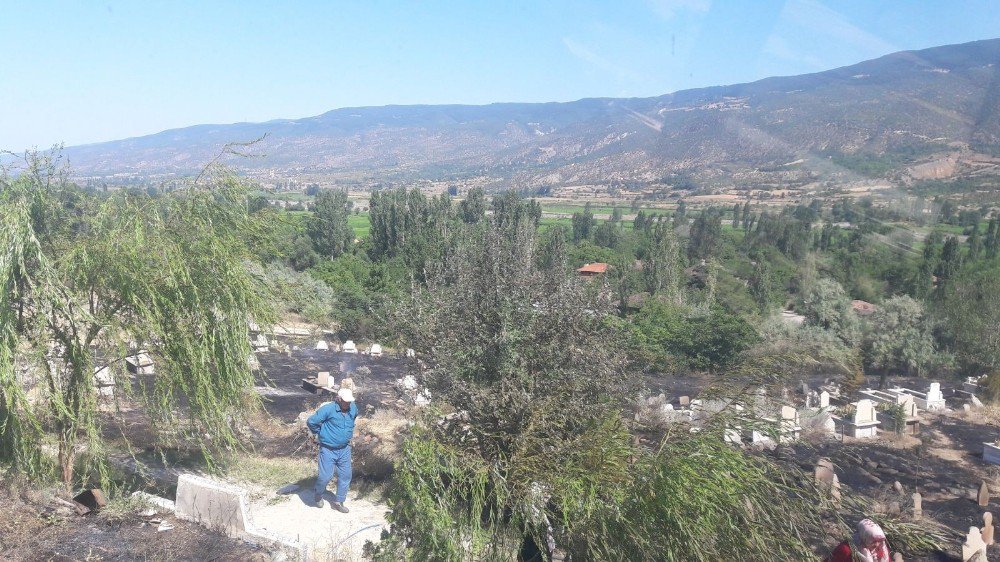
(905, 116)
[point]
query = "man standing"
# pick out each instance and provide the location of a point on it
(333, 424)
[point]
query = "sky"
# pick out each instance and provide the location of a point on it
(78, 72)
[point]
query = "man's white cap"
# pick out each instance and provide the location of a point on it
(345, 394)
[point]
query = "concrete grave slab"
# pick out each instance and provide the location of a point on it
(215, 505)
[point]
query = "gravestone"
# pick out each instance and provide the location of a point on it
(824, 399)
(375, 350)
(824, 472)
(974, 549)
(835, 490)
(935, 399)
(104, 381)
(215, 505)
(260, 343)
(897, 486)
(988, 528)
(864, 421)
(321, 345)
(350, 347)
(789, 428)
(805, 389)
(685, 401)
(984, 495)
(140, 364)
(918, 506)
(324, 379)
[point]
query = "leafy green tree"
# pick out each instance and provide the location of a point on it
(900, 338)
(706, 232)
(473, 207)
(675, 335)
(531, 367)
(975, 243)
(609, 234)
(950, 262)
(328, 228)
(583, 224)
(662, 269)
(970, 309)
(553, 252)
(88, 280)
(827, 306)
(761, 285)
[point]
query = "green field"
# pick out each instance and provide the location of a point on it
(567, 209)
(360, 223)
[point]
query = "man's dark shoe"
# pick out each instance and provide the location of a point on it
(340, 507)
(317, 501)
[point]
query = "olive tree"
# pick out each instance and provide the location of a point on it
(87, 280)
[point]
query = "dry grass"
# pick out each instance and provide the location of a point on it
(988, 414)
(378, 442)
(270, 472)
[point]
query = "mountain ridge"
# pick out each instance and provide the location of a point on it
(920, 103)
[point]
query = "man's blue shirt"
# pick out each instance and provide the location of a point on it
(333, 426)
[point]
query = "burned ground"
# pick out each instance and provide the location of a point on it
(31, 529)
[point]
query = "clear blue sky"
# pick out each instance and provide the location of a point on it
(84, 71)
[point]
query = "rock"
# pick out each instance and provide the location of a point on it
(92, 500)
(897, 486)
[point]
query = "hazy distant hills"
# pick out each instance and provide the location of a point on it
(896, 111)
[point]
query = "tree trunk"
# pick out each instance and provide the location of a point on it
(67, 459)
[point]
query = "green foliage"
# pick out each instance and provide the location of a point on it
(361, 291)
(970, 309)
(299, 293)
(91, 277)
(900, 337)
(583, 224)
(827, 306)
(328, 226)
(672, 334)
(700, 499)
(530, 361)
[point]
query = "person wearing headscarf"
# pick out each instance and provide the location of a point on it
(868, 543)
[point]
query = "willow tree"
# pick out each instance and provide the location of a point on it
(88, 280)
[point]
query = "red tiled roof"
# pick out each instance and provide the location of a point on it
(593, 268)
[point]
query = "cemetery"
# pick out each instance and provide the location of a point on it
(933, 464)
(935, 467)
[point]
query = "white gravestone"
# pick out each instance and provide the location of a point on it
(140, 363)
(789, 428)
(324, 379)
(321, 345)
(104, 381)
(350, 347)
(213, 504)
(974, 548)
